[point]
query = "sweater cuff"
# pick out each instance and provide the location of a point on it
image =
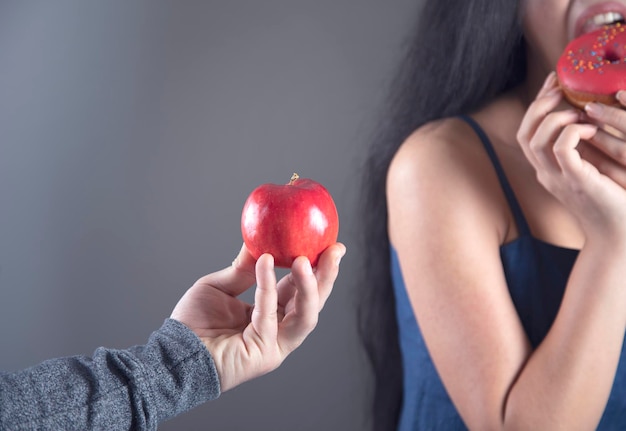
(184, 372)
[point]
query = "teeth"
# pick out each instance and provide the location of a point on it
(606, 18)
(598, 21)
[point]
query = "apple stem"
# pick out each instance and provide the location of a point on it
(293, 179)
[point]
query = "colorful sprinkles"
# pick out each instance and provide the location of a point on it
(603, 52)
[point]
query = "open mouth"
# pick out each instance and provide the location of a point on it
(602, 19)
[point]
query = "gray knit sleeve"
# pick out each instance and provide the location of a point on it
(132, 389)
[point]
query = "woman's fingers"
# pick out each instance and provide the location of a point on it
(606, 165)
(549, 131)
(606, 150)
(546, 101)
(611, 142)
(609, 118)
(566, 149)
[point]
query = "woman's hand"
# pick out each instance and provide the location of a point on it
(245, 340)
(577, 161)
(607, 149)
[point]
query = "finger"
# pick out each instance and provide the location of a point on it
(549, 84)
(307, 294)
(546, 101)
(286, 290)
(301, 320)
(565, 149)
(235, 279)
(621, 97)
(264, 315)
(610, 116)
(611, 146)
(327, 271)
(541, 145)
(604, 164)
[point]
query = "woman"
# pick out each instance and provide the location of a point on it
(497, 293)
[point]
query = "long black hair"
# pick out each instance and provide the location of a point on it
(464, 53)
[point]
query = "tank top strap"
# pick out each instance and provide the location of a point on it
(518, 214)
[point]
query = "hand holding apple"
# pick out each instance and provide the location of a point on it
(289, 220)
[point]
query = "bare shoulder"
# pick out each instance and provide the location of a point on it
(442, 170)
(436, 144)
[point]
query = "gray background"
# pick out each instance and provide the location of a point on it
(131, 134)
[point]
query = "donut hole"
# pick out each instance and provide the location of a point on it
(613, 56)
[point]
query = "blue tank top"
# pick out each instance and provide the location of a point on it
(536, 274)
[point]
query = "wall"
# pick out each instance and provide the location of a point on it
(132, 133)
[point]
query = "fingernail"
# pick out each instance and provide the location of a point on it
(594, 109)
(621, 96)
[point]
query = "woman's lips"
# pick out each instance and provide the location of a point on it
(598, 21)
(599, 15)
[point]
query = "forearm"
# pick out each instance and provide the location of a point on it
(566, 382)
(115, 389)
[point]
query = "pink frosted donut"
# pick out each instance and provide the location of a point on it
(592, 67)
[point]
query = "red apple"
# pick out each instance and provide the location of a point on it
(289, 220)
